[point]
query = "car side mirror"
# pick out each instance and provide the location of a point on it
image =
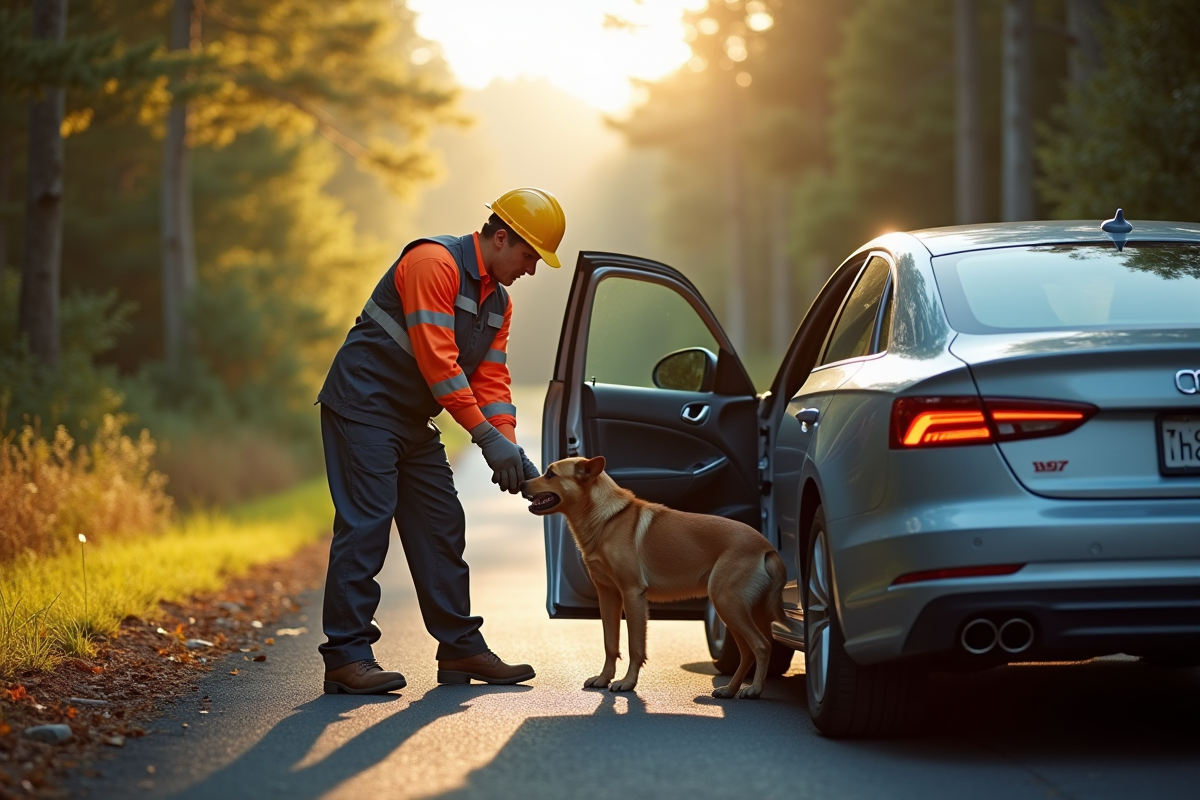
(693, 369)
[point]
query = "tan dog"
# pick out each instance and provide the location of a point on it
(637, 551)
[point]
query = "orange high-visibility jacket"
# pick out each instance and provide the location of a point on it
(427, 280)
(433, 335)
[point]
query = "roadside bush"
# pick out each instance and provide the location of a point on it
(51, 490)
(79, 392)
(233, 467)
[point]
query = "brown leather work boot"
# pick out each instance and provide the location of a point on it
(362, 677)
(486, 667)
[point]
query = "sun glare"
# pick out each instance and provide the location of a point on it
(590, 48)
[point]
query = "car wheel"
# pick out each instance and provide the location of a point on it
(721, 646)
(844, 698)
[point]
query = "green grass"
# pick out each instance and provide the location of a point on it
(45, 617)
(42, 602)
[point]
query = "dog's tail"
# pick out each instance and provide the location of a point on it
(777, 577)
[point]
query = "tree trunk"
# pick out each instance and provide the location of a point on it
(782, 302)
(178, 237)
(968, 197)
(1017, 164)
(735, 285)
(6, 163)
(1083, 17)
(41, 266)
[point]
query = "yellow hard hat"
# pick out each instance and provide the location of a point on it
(536, 217)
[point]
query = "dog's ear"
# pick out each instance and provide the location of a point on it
(589, 469)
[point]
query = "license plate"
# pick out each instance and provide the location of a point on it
(1179, 444)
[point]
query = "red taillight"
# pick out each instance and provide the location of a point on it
(950, 421)
(958, 572)
(1029, 419)
(938, 422)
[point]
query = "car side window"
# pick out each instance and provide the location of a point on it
(885, 319)
(854, 331)
(633, 325)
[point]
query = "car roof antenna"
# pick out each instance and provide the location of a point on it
(1118, 229)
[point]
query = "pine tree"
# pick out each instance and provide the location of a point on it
(297, 67)
(40, 69)
(1130, 135)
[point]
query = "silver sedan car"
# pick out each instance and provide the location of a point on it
(982, 447)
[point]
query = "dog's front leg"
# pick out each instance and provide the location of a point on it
(610, 617)
(636, 612)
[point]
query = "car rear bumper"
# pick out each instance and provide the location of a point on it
(1099, 577)
(1066, 624)
(1077, 610)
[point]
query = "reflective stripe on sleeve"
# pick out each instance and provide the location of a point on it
(451, 384)
(466, 304)
(390, 325)
(430, 318)
(495, 320)
(498, 356)
(495, 409)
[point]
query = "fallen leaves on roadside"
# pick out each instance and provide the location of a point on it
(137, 670)
(260, 659)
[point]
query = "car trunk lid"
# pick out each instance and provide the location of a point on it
(1138, 379)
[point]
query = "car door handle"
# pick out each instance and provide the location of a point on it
(695, 413)
(808, 415)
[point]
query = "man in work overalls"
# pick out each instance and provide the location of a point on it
(432, 336)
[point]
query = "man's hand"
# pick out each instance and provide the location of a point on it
(530, 469)
(504, 457)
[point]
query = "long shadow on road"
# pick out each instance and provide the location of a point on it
(271, 765)
(1097, 730)
(1104, 729)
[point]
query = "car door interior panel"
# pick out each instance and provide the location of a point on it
(651, 448)
(691, 450)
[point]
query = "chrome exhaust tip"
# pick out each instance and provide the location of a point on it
(979, 636)
(1016, 635)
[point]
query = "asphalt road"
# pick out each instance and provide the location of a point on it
(1111, 728)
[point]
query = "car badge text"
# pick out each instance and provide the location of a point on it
(1188, 381)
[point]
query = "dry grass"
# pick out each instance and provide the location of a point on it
(46, 613)
(52, 491)
(208, 471)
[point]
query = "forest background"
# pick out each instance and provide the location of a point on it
(319, 138)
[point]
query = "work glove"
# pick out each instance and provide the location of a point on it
(504, 457)
(530, 469)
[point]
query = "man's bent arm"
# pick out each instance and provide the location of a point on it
(492, 384)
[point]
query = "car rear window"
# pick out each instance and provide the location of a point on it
(1070, 287)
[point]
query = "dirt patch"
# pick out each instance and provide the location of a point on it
(148, 663)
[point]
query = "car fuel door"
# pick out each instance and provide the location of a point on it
(646, 377)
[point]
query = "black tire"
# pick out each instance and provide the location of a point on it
(846, 699)
(780, 660)
(721, 646)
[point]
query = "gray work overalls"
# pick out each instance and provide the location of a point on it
(385, 461)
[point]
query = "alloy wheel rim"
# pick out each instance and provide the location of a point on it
(817, 617)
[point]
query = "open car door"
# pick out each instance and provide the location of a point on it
(646, 377)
